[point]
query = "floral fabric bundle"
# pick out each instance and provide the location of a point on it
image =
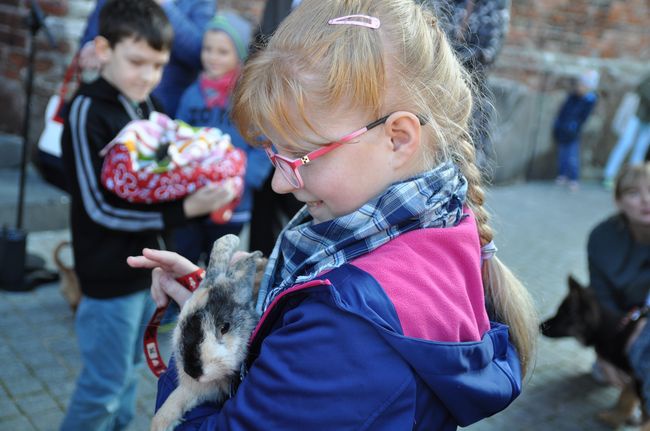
(162, 160)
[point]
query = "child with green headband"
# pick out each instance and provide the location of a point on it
(207, 103)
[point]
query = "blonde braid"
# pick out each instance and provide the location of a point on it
(511, 302)
(508, 298)
(475, 194)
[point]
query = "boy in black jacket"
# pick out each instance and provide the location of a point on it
(134, 43)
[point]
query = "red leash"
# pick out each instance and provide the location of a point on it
(191, 282)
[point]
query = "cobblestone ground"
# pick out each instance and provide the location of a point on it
(541, 235)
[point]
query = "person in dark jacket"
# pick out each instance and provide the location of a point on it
(207, 103)
(188, 18)
(568, 124)
(133, 46)
(618, 252)
(476, 30)
(373, 304)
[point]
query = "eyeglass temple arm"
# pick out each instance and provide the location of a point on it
(316, 153)
(382, 120)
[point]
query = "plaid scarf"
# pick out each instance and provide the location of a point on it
(432, 199)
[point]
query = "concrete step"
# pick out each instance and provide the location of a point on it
(11, 150)
(45, 206)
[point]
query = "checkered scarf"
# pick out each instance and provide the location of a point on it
(432, 199)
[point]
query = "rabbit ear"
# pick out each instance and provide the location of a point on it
(242, 272)
(222, 252)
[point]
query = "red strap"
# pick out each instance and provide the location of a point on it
(70, 72)
(191, 282)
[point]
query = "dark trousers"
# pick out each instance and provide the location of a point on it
(271, 212)
(195, 240)
(568, 158)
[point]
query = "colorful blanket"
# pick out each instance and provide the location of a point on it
(161, 160)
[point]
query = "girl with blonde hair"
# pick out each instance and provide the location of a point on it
(374, 304)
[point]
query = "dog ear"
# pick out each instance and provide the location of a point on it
(584, 299)
(573, 283)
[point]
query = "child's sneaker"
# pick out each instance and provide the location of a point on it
(574, 186)
(561, 180)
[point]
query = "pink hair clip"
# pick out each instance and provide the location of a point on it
(360, 20)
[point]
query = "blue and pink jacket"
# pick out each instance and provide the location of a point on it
(397, 339)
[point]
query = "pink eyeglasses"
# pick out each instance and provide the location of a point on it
(289, 167)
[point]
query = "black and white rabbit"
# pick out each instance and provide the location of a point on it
(211, 338)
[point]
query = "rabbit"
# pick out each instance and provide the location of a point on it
(210, 341)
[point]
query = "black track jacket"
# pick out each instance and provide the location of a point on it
(105, 228)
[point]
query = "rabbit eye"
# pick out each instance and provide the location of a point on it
(225, 328)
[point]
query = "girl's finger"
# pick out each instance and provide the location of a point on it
(170, 261)
(141, 262)
(163, 257)
(157, 293)
(174, 289)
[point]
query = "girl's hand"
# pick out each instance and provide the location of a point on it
(167, 266)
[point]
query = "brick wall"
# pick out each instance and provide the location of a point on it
(66, 20)
(549, 42)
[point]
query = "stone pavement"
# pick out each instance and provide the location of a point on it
(44, 206)
(541, 234)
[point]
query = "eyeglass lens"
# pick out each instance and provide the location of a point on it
(288, 171)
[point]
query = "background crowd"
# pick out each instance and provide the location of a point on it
(194, 82)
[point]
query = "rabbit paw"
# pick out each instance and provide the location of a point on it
(164, 421)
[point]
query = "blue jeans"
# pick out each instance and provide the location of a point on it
(568, 160)
(109, 333)
(639, 357)
(635, 137)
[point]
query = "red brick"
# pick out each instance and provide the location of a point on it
(12, 74)
(17, 59)
(13, 38)
(10, 19)
(54, 7)
(42, 65)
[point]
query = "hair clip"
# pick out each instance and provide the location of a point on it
(360, 20)
(488, 250)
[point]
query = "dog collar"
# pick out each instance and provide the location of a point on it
(156, 364)
(634, 314)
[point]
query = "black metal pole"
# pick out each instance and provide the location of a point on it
(35, 20)
(34, 25)
(14, 259)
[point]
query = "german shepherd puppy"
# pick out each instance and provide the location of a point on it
(581, 316)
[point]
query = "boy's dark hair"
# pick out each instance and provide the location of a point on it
(140, 19)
